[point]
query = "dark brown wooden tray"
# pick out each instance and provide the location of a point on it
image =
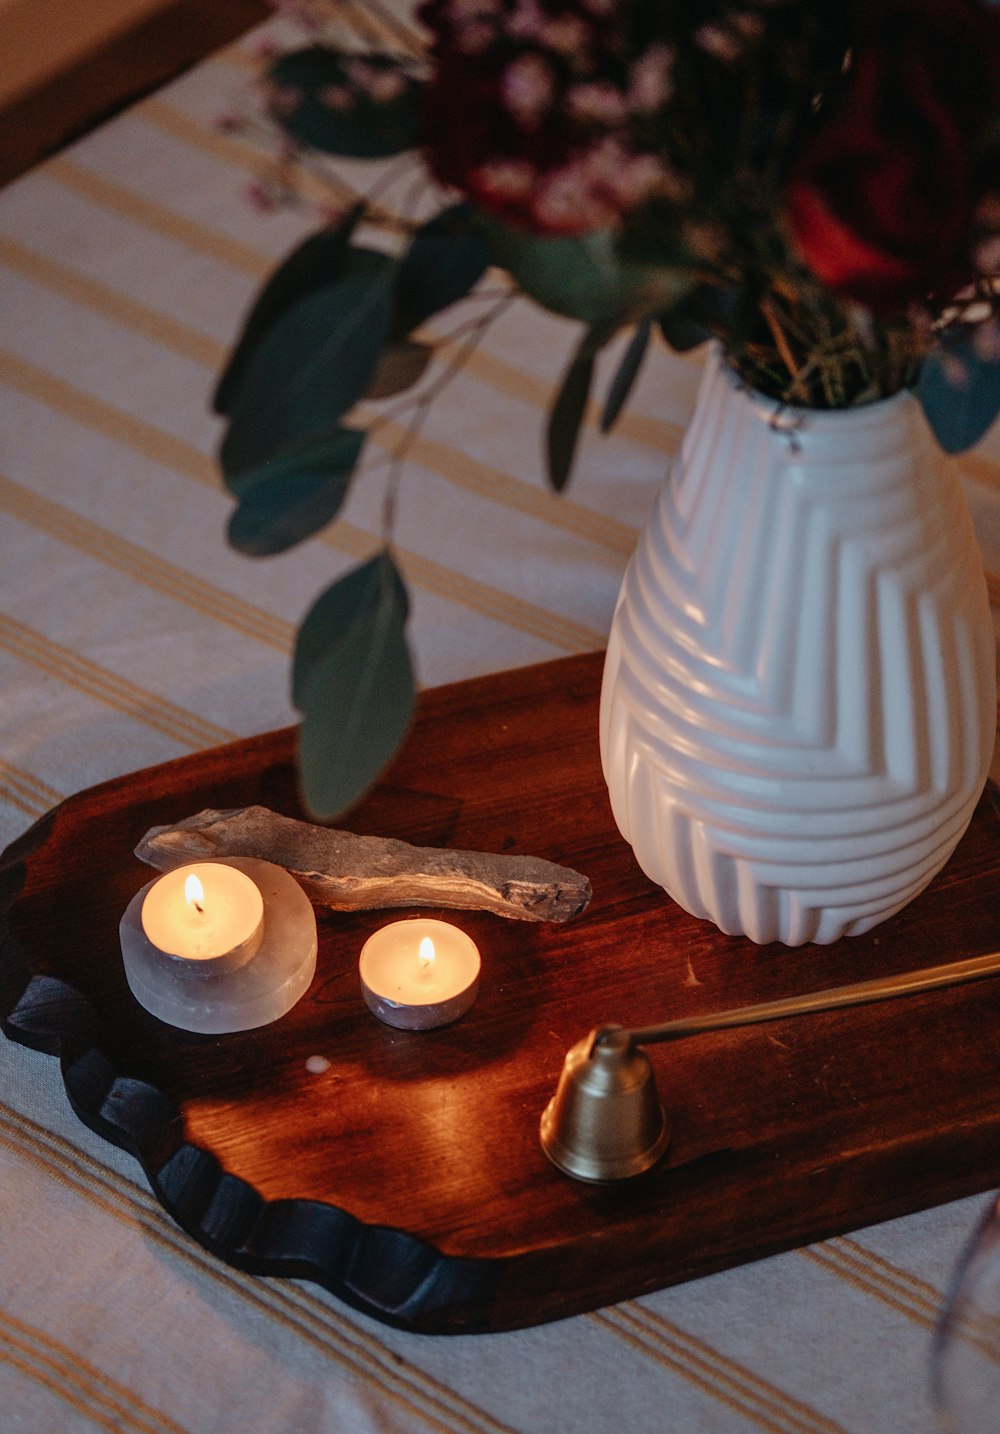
(408, 1178)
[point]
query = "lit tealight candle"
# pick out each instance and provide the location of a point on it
(209, 912)
(419, 974)
(219, 946)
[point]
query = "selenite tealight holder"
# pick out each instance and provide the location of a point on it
(236, 990)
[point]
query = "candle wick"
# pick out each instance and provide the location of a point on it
(200, 909)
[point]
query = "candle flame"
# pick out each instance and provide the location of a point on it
(194, 893)
(426, 954)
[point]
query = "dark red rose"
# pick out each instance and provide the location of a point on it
(882, 196)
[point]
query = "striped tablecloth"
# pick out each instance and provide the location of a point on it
(129, 633)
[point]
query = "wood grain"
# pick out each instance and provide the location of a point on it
(408, 1178)
(96, 85)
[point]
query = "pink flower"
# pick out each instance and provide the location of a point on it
(988, 255)
(506, 179)
(527, 20)
(650, 79)
(568, 202)
(568, 35)
(599, 101)
(527, 87)
(474, 37)
(717, 42)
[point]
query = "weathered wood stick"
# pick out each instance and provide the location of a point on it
(362, 873)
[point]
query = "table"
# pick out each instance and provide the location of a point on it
(129, 634)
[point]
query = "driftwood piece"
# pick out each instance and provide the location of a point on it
(363, 873)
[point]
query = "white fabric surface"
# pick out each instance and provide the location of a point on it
(130, 633)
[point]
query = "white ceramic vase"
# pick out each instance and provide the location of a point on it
(799, 699)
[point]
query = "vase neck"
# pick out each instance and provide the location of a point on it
(831, 438)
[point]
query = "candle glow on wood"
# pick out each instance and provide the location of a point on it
(418, 974)
(204, 912)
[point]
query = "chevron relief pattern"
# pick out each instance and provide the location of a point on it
(799, 700)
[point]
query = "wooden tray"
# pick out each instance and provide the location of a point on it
(408, 1178)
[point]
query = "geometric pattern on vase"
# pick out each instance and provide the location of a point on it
(799, 700)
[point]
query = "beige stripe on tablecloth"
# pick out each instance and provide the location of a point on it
(391, 25)
(564, 633)
(129, 205)
(154, 711)
(27, 792)
(915, 1299)
(336, 1337)
(496, 485)
(486, 481)
(80, 1383)
(739, 1388)
(725, 1380)
(79, 289)
(144, 566)
(327, 189)
(122, 428)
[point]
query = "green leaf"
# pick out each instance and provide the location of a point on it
(332, 614)
(294, 495)
(315, 361)
(582, 278)
(314, 264)
(353, 682)
(628, 370)
(960, 393)
(320, 101)
(568, 411)
(443, 263)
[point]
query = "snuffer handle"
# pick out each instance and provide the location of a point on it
(882, 988)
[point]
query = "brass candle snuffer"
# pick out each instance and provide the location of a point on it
(605, 1121)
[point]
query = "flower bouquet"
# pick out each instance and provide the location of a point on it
(816, 187)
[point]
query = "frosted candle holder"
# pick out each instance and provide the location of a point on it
(216, 996)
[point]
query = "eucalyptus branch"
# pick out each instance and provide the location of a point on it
(418, 406)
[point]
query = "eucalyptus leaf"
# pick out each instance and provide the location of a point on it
(294, 495)
(322, 102)
(443, 263)
(628, 371)
(353, 682)
(960, 411)
(314, 264)
(582, 277)
(567, 413)
(314, 362)
(332, 615)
